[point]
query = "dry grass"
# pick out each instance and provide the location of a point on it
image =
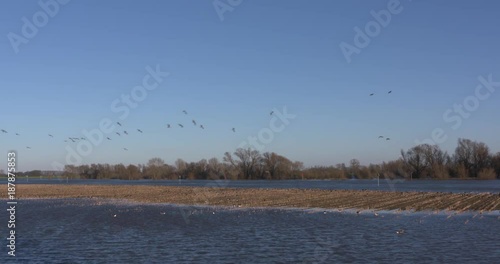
(331, 199)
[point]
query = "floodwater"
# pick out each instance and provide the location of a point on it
(113, 231)
(492, 186)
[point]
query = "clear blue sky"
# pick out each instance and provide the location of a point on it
(232, 73)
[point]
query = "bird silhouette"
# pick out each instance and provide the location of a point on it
(371, 94)
(119, 123)
(202, 127)
(4, 131)
(82, 138)
(72, 140)
(118, 133)
(17, 134)
(168, 125)
(180, 125)
(387, 139)
(28, 147)
(125, 149)
(139, 130)
(234, 130)
(185, 112)
(389, 92)
(108, 138)
(380, 136)
(272, 112)
(194, 122)
(125, 132)
(51, 136)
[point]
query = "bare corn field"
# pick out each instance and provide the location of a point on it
(299, 198)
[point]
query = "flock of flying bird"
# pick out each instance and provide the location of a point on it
(382, 137)
(75, 139)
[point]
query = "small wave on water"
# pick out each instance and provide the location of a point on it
(118, 231)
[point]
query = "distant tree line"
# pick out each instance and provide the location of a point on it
(470, 159)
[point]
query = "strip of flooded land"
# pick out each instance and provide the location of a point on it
(299, 198)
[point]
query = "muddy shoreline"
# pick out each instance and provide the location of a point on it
(293, 198)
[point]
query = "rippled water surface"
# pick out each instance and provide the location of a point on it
(108, 231)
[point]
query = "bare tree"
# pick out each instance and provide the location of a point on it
(247, 161)
(472, 155)
(155, 168)
(415, 161)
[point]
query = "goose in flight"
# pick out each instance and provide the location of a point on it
(272, 112)
(125, 132)
(389, 92)
(17, 134)
(388, 139)
(168, 125)
(51, 136)
(202, 127)
(194, 122)
(180, 125)
(380, 136)
(139, 130)
(4, 131)
(108, 138)
(28, 147)
(185, 112)
(234, 130)
(371, 94)
(119, 123)
(118, 133)
(125, 149)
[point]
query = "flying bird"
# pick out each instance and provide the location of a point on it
(185, 112)
(234, 130)
(17, 134)
(194, 122)
(28, 147)
(125, 132)
(387, 139)
(389, 92)
(168, 125)
(118, 133)
(125, 149)
(272, 112)
(51, 136)
(108, 138)
(119, 123)
(202, 127)
(139, 130)
(4, 131)
(380, 136)
(180, 125)
(371, 94)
